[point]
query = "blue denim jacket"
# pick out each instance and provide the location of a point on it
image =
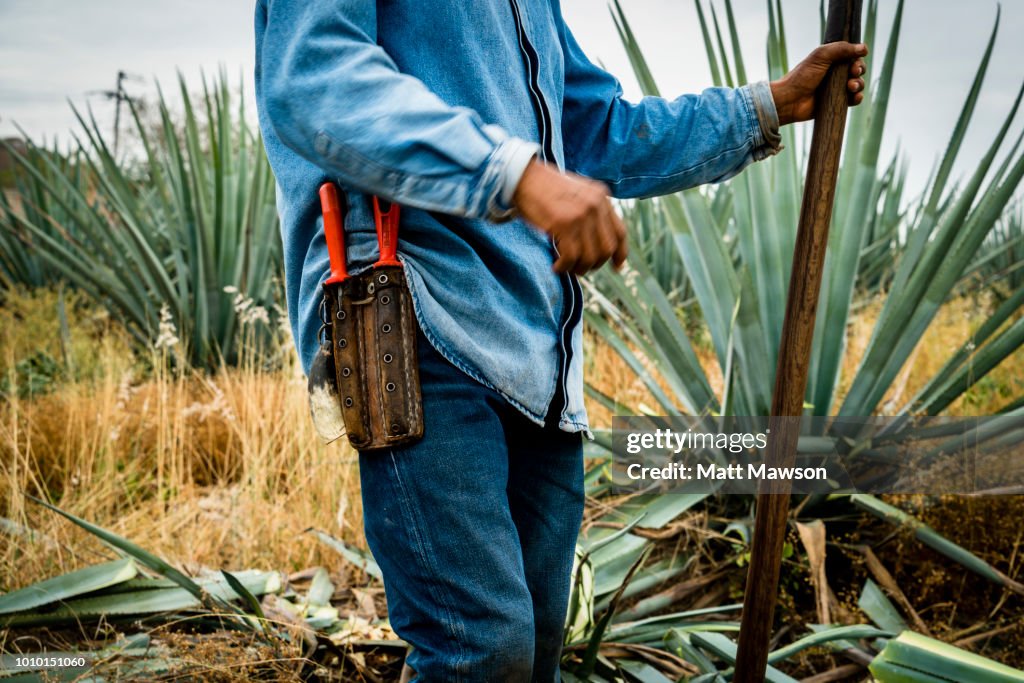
(439, 105)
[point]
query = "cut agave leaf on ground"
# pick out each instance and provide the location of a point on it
(642, 671)
(360, 558)
(678, 643)
(140, 583)
(658, 574)
(69, 585)
(612, 562)
(913, 658)
(651, 635)
(724, 648)
(936, 541)
(698, 583)
(656, 511)
(147, 601)
(125, 546)
(877, 606)
(320, 589)
(678, 619)
(599, 537)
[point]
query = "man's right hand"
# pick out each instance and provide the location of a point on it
(576, 212)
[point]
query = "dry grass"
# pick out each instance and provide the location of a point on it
(226, 471)
(221, 471)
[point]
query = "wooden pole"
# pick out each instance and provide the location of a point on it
(795, 350)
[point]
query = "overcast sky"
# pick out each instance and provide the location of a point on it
(55, 50)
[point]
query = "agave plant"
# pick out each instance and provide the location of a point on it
(735, 244)
(20, 264)
(1000, 265)
(195, 217)
(917, 253)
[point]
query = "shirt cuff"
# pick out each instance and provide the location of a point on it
(767, 137)
(507, 165)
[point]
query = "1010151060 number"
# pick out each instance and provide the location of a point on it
(48, 662)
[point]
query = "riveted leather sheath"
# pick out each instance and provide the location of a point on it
(373, 337)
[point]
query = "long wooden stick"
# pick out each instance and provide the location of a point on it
(795, 350)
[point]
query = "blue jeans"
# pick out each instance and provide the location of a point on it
(474, 529)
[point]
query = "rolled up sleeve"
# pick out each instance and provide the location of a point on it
(763, 104)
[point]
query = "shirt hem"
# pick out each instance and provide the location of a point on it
(442, 348)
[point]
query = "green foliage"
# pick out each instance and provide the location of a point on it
(735, 244)
(1000, 265)
(157, 242)
(53, 335)
(35, 173)
(32, 376)
(913, 658)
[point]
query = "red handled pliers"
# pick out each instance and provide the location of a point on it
(387, 232)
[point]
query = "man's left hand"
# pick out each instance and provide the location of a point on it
(794, 92)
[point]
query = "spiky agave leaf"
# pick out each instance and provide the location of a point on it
(150, 601)
(874, 603)
(579, 618)
(360, 558)
(67, 586)
(212, 601)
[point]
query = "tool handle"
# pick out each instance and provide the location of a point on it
(386, 218)
(763, 568)
(843, 21)
(334, 233)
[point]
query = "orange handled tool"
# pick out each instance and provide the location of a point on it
(387, 232)
(334, 233)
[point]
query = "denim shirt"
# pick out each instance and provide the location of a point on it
(439, 105)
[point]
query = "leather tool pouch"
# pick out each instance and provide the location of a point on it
(372, 332)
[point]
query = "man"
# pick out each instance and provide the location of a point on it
(502, 143)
